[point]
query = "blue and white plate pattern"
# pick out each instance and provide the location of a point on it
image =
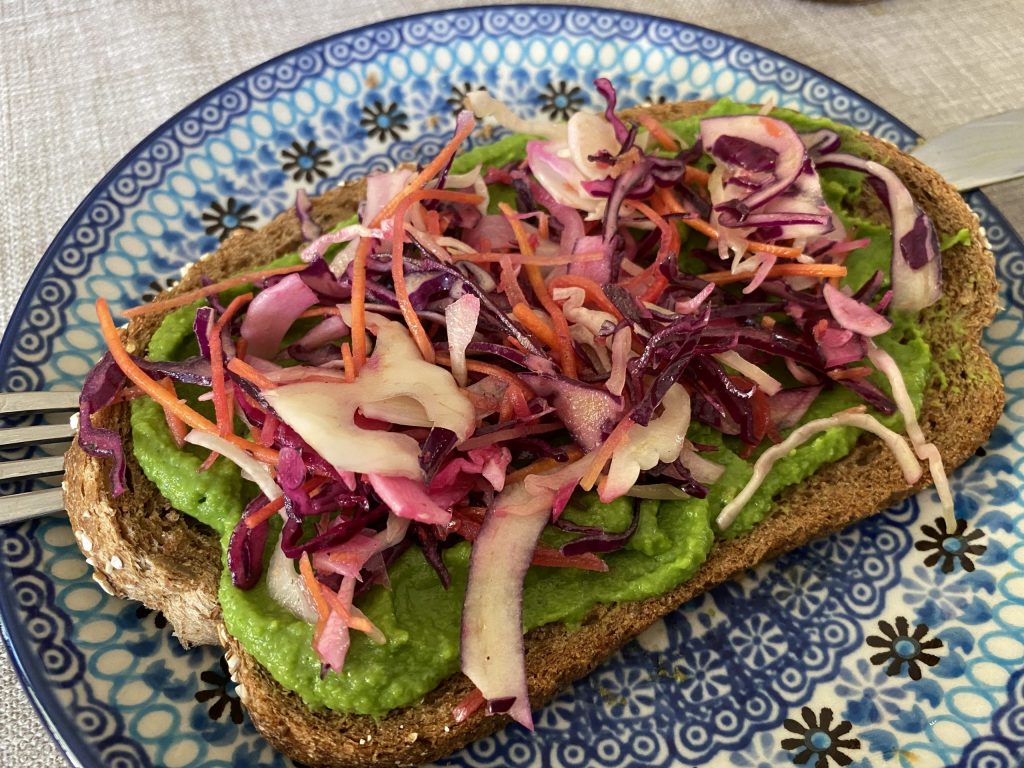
(898, 642)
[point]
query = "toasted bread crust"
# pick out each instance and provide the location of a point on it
(141, 530)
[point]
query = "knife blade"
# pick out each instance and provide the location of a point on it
(983, 151)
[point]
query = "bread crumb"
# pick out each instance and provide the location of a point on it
(241, 692)
(362, 741)
(89, 561)
(446, 729)
(73, 422)
(102, 582)
(86, 542)
(411, 738)
(115, 563)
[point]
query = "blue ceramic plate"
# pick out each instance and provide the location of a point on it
(897, 642)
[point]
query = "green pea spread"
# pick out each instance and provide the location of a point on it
(420, 619)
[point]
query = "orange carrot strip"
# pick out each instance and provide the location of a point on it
(535, 325)
(509, 282)
(670, 204)
(412, 320)
(250, 374)
(313, 587)
(658, 132)
(485, 257)
(208, 290)
(221, 404)
(694, 175)
(164, 398)
(271, 508)
(354, 621)
(859, 372)
(492, 370)
(346, 357)
(566, 354)
(319, 312)
(542, 465)
(505, 410)
(208, 461)
(780, 270)
(604, 454)
(358, 303)
(593, 292)
(430, 170)
(174, 423)
(669, 243)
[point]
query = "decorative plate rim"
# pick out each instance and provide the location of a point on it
(33, 680)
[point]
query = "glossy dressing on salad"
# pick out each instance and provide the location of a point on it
(409, 630)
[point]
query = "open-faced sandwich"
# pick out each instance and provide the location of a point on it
(423, 450)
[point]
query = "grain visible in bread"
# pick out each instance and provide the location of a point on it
(167, 550)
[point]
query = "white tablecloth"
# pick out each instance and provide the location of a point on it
(81, 82)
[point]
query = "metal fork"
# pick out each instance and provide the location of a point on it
(22, 506)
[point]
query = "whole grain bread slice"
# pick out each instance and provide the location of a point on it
(142, 549)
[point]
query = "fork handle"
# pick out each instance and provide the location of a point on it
(25, 506)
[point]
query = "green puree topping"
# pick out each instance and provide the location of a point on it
(419, 618)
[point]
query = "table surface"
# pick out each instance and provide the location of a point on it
(81, 82)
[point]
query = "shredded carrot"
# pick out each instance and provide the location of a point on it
(174, 422)
(669, 244)
(520, 407)
(567, 356)
(486, 257)
(430, 170)
(250, 374)
(543, 226)
(208, 461)
(843, 374)
(433, 222)
(208, 290)
(535, 325)
(313, 587)
(604, 454)
(492, 370)
(592, 291)
(358, 303)
(221, 404)
(241, 348)
(412, 321)
(505, 410)
(164, 398)
(319, 312)
(657, 131)
(509, 282)
(346, 357)
(780, 270)
(274, 506)
(479, 441)
(668, 202)
(543, 465)
(694, 175)
(351, 619)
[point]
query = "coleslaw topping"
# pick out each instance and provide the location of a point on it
(478, 347)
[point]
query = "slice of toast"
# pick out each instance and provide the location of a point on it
(144, 550)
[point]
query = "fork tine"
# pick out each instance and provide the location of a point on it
(44, 465)
(16, 402)
(43, 433)
(23, 506)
